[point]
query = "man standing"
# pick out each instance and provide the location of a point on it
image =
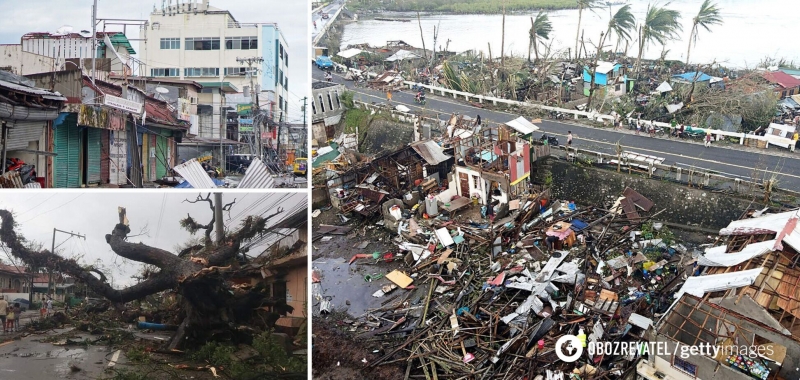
(569, 138)
(3, 312)
(389, 96)
(49, 306)
(708, 139)
(795, 138)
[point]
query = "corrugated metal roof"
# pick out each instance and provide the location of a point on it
(430, 151)
(716, 256)
(257, 176)
(522, 125)
(32, 90)
(192, 172)
(700, 285)
(640, 321)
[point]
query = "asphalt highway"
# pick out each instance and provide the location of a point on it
(728, 159)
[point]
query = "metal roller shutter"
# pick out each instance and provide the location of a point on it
(23, 132)
(67, 143)
(94, 145)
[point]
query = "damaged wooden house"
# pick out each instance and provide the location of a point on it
(745, 303)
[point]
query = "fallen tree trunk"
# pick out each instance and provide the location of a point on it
(209, 305)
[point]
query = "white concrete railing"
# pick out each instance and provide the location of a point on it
(775, 140)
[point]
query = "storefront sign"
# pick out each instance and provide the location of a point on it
(99, 117)
(118, 155)
(122, 104)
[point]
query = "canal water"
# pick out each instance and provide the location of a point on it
(752, 30)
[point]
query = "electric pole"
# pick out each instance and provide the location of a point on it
(50, 270)
(94, 40)
(305, 100)
(218, 217)
(254, 100)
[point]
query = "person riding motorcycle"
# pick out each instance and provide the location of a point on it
(420, 96)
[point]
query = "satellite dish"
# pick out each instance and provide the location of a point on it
(87, 95)
(162, 90)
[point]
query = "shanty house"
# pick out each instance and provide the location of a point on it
(608, 77)
(782, 83)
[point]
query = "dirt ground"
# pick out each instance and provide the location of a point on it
(336, 355)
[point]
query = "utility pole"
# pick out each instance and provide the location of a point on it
(53, 251)
(94, 40)
(305, 104)
(255, 103)
(218, 217)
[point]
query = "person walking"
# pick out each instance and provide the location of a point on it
(795, 138)
(569, 138)
(708, 139)
(3, 312)
(639, 127)
(389, 96)
(10, 319)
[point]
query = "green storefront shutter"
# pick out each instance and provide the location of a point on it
(161, 156)
(93, 155)
(67, 147)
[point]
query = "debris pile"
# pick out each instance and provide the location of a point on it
(473, 297)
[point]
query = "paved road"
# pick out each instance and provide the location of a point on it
(731, 160)
(321, 23)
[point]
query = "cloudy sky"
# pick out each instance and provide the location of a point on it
(94, 214)
(20, 17)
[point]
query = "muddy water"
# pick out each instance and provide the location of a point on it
(345, 284)
(751, 31)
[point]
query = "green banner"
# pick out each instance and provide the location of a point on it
(244, 109)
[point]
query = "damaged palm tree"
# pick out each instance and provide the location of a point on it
(211, 307)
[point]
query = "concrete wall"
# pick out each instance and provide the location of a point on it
(320, 102)
(24, 63)
(683, 205)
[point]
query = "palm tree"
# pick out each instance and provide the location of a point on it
(660, 25)
(582, 4)
(622, 24)
(709, 15)
(540, 29)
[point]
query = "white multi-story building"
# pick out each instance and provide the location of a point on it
(195, 41)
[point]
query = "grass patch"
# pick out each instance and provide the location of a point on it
(272, 360)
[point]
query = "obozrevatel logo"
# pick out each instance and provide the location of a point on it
(573, 345)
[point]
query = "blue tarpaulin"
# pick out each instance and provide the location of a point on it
(690, 77)
(187, 185)
(578, 225)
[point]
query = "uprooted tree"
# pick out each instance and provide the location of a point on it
(210, 306)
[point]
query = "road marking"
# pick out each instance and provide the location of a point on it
(114, 358)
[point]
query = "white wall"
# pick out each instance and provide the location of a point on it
(480, 189)
(24, 63)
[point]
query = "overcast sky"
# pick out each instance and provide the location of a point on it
(94, 214)
(292, 16)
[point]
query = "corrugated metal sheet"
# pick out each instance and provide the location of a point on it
(698, 286)
(257, 176)
(94, 147)
(194, 173)
(522, 125)
(430, 151)
(23, 132)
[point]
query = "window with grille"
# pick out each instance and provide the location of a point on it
(170, 43)
(235, 71)
(684, 366)
(201, 72)
(241, 43)
(164, 72)
(202, 43)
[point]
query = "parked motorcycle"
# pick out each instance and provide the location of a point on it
(549, 140)
(27, 173)
(555, 115)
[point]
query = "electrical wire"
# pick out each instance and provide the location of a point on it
(45, 212)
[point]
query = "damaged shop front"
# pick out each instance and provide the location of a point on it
(26, 118)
